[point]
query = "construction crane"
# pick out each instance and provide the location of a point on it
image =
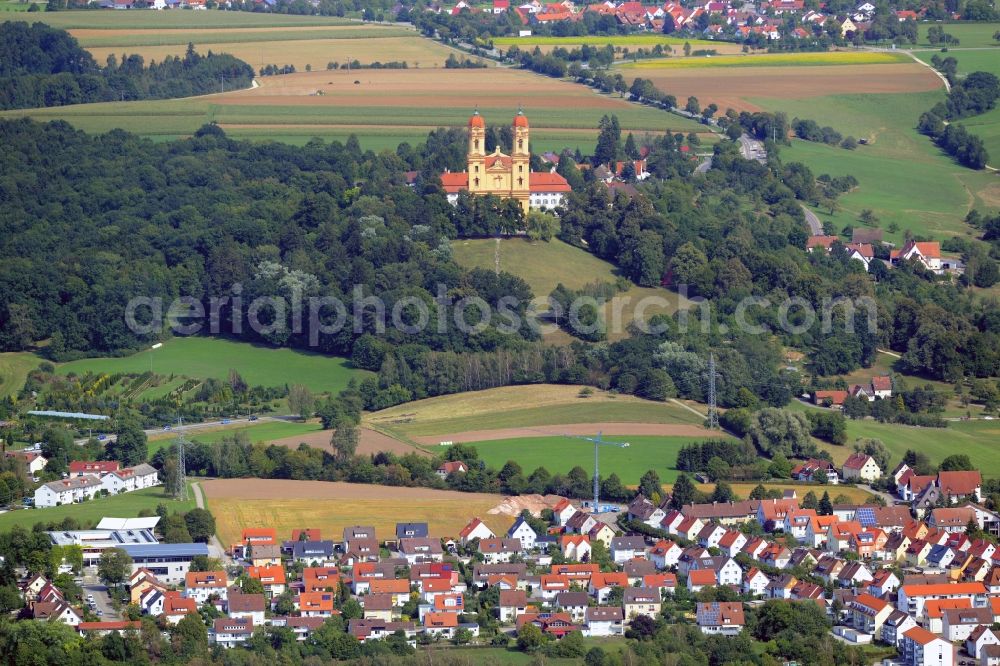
(598, 442)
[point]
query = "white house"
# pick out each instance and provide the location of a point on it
(522, 531)
(201, 585)
(861, 467)
(604, 621)
(129, 479)
(67, 491)
(922, 648)
(722, 618)
(229, 632)
(476, 529)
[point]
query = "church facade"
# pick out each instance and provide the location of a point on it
(505, 176)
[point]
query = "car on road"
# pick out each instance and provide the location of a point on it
(101, 437)
(225, 421)
(166, 427)
(252, 418)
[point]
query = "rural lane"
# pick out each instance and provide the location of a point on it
(815, 226)
(215, 548)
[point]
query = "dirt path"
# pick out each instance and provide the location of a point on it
(371, 442)
(214, 545)
(616, 429)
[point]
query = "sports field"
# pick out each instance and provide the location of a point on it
(200, 358)
(903, 178)
(543, 265)
(287, 505)
(560, 454)
(127, 505)
(522, 407)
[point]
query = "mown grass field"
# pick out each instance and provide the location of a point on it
(903, 178)
(522, 406)
(969, 60)
(90, 38)
(14, 369)
(772, 60)
(543, 265)
(199, 358)
(127, 505)
(968, 34)
(560, 454)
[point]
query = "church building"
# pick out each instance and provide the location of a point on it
(505, 176)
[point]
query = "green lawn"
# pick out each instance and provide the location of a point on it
(14, 369)
(214, 357)
(968, 34)
(127, 505)
(560, 454)
(117, 20)
(902, 176)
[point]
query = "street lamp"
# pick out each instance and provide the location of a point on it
(156, 346)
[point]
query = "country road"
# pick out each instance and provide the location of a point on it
(215, 548)
(815, 226)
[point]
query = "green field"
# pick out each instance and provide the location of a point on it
(968, 34)
(979, 439)
(199, 358)
(804, 59)
(902, 176)
(264, 431)
(127, 505)
(560, 454)
(117, 20)
(14, 369)
(543, 265)
(969, 60)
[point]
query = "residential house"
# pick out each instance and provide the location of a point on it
(130, 478)
(315, 604)
(815, 470)
(200, 585)
(922, 648)
(641, 601)
(67, 491)
(861, 467)
(604, 621)
(228, 632)
(721, 618)
(575, 547)
(927, 253)
(699, 578)
(496, 550)
(869, 613)
(96, 468)
(895, 625)
(523, 532)
(665, 554)
(378, 606)
(643, 510)
(755, 582)
(626, 547)
(397, 588)
(411, 530)
(476, 529)
(420, 549)
(602, 583)
(313, 553)
(512, 603)
(574, 603)
(959, 486)
(957, 624)
(563, 511)
(603, 533)
(250, 606)
(912, 598)
(452, 467)
(271, 578)
(980, 637)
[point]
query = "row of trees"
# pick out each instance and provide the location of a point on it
(44, 66)
(975, 94)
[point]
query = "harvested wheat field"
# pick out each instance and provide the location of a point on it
(416, 52)
(370, 442)
(729, 87)
(287, 505)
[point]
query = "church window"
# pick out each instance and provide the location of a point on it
(520, 144)
(477, 180)
(520, 181)
(477, 144)
(520, 167)
(477, 168)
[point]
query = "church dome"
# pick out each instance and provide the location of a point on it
(520, 120)
(477, 120)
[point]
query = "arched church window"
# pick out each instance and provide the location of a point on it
(477, 180)
(520, 144)
(477, 144)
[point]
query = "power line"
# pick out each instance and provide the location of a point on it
(180, 492)
(713, 411)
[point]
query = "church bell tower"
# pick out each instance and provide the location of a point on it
(477, 153)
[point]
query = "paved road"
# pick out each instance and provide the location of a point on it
(752, 149)
(704, 166)
(815, 226)
(215, 548)
(190, 427)
(102, 598)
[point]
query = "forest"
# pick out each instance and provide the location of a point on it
(43, 66)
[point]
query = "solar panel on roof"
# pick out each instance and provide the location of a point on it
(866, 516)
